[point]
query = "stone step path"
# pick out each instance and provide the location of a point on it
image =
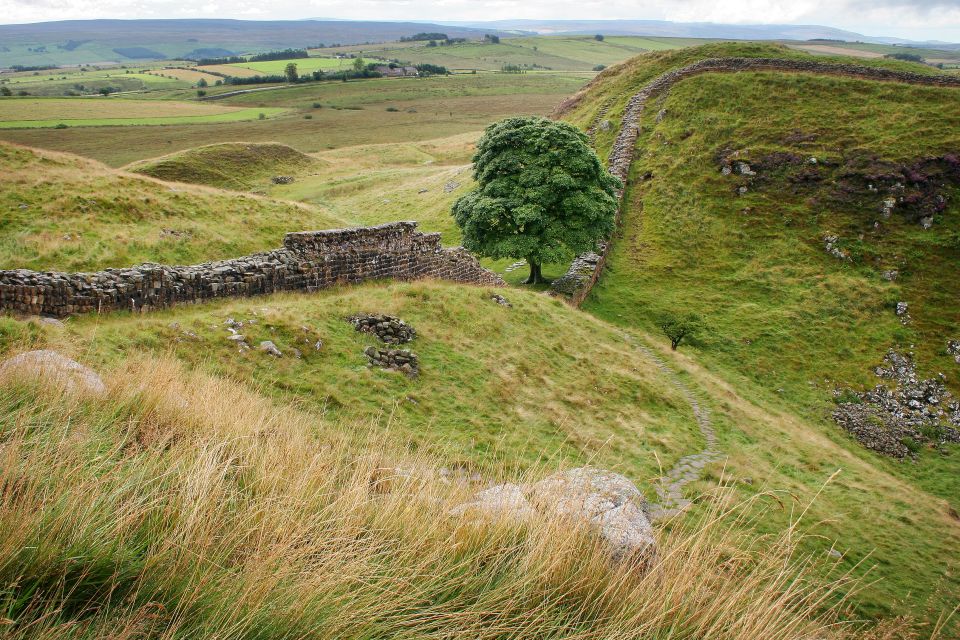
(688, 469)
(515, 266)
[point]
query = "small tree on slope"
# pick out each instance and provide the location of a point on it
(542, 194)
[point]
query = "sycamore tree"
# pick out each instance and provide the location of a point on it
(542, 194)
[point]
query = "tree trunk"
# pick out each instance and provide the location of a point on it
(536, 277)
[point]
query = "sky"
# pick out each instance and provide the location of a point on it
(913, 19)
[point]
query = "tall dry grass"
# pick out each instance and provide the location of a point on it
(182, 505)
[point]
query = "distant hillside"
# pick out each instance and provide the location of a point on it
(666, 28)
(91, 41)
(231, 165)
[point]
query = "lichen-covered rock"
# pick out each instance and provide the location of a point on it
(500, 300)
(606, 501)
(54, 366)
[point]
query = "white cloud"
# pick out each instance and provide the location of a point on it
(920, 19)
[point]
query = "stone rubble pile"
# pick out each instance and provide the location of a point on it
(898, 421)
(402, 360)
(388, 329)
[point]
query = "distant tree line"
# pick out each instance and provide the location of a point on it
(909, 57)
(286, 54)
(38, 67)
(424, 36)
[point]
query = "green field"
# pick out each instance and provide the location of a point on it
(235, 115)
(304, 65)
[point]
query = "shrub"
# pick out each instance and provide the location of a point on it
(679, 327)
(317, 105)
(600, 67)
(598, 37)
(308, 117)
(201, 93)
(262, 116)
(392, 109)
(60, 126)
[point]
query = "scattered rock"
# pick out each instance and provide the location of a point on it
(890, 275)
(52, 321)
(604, 125)
(830, 245)
(499, 299)
(451, 186)
(926, 222)
(833, 553)
(607, 501)
(903, 312)
(423, 190)
(661, 115)
(282, 179)
(897, 422)
(51, 365)
(953, 348)
(743, 169)
(388, 329)
(267, 346)
(400, 360)
(174, 233)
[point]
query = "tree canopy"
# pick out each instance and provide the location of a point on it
(542, 194)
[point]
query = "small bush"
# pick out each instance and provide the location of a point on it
(308, 117)
(262, 116)
(317, 105)
(600, 67)
(60, 126)
(392, 109)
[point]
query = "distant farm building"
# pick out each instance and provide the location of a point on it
(396, 72)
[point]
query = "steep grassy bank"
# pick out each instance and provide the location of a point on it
(740, 180)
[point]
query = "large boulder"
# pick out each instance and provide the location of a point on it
(54, 366)
(607, 501)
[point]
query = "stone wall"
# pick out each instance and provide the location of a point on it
(307, 261)
(584, 271)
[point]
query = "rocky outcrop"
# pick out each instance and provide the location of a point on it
(50, 365)
(898, 421)
(605, 501)
(576, 284)
(308, 261)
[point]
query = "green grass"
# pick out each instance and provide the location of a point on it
(788, 323)
(304, 65)
(237, 115)
(65, 213)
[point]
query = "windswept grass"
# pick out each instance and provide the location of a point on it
(181, 505)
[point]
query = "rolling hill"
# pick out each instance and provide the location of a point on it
(217, 491)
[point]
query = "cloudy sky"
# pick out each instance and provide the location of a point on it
(916, 19)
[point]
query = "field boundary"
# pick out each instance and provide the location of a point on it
(308, 261)
(575, 285)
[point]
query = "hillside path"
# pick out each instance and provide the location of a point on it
(689, 468)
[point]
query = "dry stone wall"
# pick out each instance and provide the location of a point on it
(584, 271)
(308, 261)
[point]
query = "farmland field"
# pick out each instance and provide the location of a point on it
(89, 112)
(187, 75)
(304, 65)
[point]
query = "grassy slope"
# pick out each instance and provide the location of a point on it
(499, 387)
(788, 322)
(64, 212)
(230, 165)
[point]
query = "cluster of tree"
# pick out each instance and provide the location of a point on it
(444, 43)
(598, 37)
(315, 76)
(492, 39)
(909, 57)
(512, 68)
(226, 60)
(37, 67)
(286, 54)
(432, 70)
(424, 36)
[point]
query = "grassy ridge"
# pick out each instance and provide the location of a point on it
(788, 322)
(63, 212)
(231, 165)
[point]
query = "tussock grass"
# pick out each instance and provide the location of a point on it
(182, 505)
